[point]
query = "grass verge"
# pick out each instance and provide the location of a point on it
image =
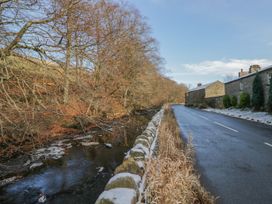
(171, 177)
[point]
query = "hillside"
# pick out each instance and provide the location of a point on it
(32, 111)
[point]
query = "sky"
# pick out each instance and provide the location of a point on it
(203, 41)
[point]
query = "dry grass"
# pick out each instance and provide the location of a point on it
(171, 177)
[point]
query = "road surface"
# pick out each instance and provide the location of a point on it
(234, 156)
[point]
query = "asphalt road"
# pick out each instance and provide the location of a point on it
(234, 156)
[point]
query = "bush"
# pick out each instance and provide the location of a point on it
(244, 100)
(234, 101)
(269, 103)
(226, 101)
(257, 93)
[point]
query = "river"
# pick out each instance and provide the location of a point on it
(74, 169)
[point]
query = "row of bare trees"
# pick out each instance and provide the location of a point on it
(105, 57)
(75, 33)
(99, 35)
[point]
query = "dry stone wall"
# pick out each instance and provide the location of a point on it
(127, 185)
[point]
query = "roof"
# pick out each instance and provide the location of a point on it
(249, 75)
(203, 86)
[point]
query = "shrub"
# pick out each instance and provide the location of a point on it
(269, 103)
(234, 101)
(244, 100)
(257, 93)
(226, 101)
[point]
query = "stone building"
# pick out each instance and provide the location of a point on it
(245, 82)
(207, 94)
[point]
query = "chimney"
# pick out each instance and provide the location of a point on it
(242, 73)
(199, 84)
(254, 68)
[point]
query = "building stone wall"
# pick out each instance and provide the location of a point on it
(235, 88)
(266, 83)
(216, 89)
(245, 84)
(195, 97)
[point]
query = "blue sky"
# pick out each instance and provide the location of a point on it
(207, 40)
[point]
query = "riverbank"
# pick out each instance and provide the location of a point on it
(94, 155)
(116, 132)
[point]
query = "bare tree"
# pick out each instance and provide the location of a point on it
(17, 19)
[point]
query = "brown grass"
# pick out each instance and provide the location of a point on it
(171, 177)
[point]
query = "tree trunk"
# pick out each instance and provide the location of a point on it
(67, 61)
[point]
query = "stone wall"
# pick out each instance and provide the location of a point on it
(127, 185)
(215, 102)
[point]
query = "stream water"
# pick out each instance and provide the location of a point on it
(78, 177)
(73, 170)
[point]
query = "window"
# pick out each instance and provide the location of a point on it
(241, 86)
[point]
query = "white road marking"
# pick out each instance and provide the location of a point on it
(225, 127)
(270, 145)
(204, 117)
